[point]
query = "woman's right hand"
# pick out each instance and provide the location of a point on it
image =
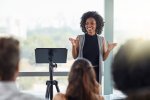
(73, 41)
(75, 47)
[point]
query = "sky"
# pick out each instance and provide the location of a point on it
(48, 11)
(129, 15)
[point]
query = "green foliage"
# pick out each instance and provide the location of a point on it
(45, 38)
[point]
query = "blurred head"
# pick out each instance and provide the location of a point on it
(82, 81)
(131, 66)
(9, 58)
(91, 21)
(143, 94)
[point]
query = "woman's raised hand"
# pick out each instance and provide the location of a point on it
(111, 46)
(73, 41)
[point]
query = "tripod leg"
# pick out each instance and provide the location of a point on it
(57, 88)
(47, 92)
(51, 91)
(56, 84)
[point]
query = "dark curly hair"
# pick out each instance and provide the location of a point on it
(98, 19)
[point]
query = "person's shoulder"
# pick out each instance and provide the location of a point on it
(100, 97)
(59, 96)
(80, 36)
(100, 36)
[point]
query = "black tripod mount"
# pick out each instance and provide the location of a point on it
(51, 56)
(51, 82)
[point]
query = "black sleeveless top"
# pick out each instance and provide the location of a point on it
(91, 49)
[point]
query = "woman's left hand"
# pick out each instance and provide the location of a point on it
(111, 46)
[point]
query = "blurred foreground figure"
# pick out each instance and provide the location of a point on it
(131, 69)
(9, 68)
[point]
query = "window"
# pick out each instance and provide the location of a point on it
(39, 24)
(131, 20)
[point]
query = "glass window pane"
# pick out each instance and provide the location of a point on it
(37, 85)
(131, 20)
(44, 23)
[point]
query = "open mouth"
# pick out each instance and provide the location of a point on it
(90, 28)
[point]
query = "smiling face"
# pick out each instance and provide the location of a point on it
(90, 26)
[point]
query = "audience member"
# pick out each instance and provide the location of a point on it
(82, 83)
(9, 68)
(131, 68)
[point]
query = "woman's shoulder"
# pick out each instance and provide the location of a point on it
(98, 97)
(101, 97)
(80, 37)
(59, 96)
(100, 36)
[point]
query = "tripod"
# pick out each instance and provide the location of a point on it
(50, 55)
(51, 82)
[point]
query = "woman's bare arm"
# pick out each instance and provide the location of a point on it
(107, 48)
